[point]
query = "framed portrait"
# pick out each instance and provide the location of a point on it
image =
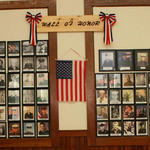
(115, 96)
(28, 64)
(28, 80)
(13, 80)
(2, 129)
(2, 64)
(42, 47)
(42, 96)
(43, 129)
(115, 112)
(141, 80)
(101, 80)
(128, 80)
(141, 128)
(128, 112)
(115, 80)
(28, 112)
(102, 96)
(13, 113)
(2, 96)
(13, 48)
(43, 112)
(2, 80)
(42, 79)
(102, 129)
(128, 128)
(2, 48)
(125, 60)
(2, 113)
(28, 96)
(13, 96)
(141, 111)
(128, 96)
(29, 129)
(107, 60)
(115, 128)
(14, 129)
(27, 48)
(42, 63)
(141, 96)
(102, 112)
(13, 64)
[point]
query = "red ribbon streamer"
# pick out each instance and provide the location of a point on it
(33, 20)
(109, 21)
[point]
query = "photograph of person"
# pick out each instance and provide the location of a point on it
(115, 96)
(2, 48)
(141, 127)
(115, 128)
(42, 96)
(140, 79)
(125, 60)
(2, 113)
(13, 48)
(128, 96)
(29, 130)
(107, 60)
(13, 96)
(2, 96)
(115, 112)
(114, 81)
(13, 113)
(43, 129)
(14, 129)
(102, 129)
(27, 48)
(128, 80)
(2, 80)
(128, 112)
(128, 128)
(141, 111)
(28, 63)
(13, 80)
(28, 96)
(42, 63)
(42, 79)
(2, 64)
(28, 112)
(102, 113)
(42, 47)
(28, 79)
(43, 112)
(141, 95)
(2, 130)
(13, 64)
(102, 96)
(101, 80)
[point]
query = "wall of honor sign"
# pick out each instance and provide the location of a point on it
(70, 24)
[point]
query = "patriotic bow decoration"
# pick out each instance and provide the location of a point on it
(33, 20)
(109, 21)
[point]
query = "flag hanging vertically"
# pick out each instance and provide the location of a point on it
(71, 76)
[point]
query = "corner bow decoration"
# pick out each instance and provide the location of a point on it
(33, 20)
(109, 21)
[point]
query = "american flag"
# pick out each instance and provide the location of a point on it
(71, 76)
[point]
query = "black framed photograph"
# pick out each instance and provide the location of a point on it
(28, 80)
(128, 112)
(115, 96)
(115, 128)
(2, 96)
(2, 80)
(2, 48)
(102, 112)
(13, 64)
(2, 64)
(102, 129)
(101, 96)
(141, 96)
(42, 63)
(42, 96)
(13, 113)
(29, 129)
(13, 48)
(42, 47)
(141, 80)
(2, 113)
(141, 128)
(128, 128)
(2, 129)
(107, 60)
(28, 49)
(141, 111)
(43, 129)
(28, 96)
(115, 80)
(128, 80)
(101, 80)
(13, 96)
(128, 96)
(28, 64)
(28, 112)
(43, 112)
(13, 80)
(42, 79)
(14, 129)
(115, 112)
(125, 60)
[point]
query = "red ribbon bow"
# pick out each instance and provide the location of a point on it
(33, 20)
(109, 21)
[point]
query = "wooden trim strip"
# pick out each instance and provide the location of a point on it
(73, 133)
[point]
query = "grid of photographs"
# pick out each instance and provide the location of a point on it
(122, 104)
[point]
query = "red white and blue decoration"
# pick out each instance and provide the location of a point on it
(109, 21)
(33, 20)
